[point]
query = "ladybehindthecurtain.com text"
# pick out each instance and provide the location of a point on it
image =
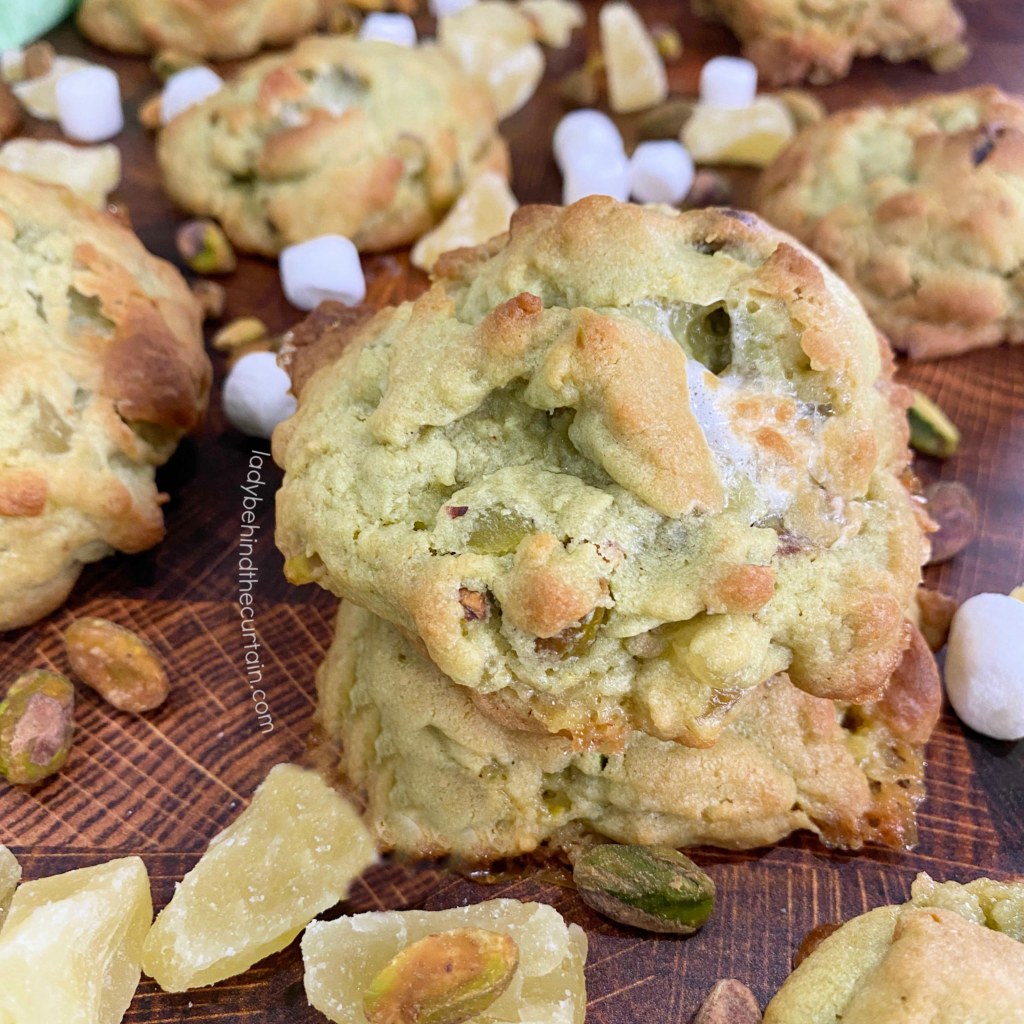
(248, 573)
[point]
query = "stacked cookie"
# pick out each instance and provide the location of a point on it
(622, 503)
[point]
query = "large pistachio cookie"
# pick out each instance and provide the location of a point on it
(615, 470)
(920, 208)
(364, 139)
(102, 371)
(790, 40)
(437, 776)
(953, 954)
(221, 29)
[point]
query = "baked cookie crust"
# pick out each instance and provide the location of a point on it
(219, 29)
(615, 470)
(919, 208)
(438, 777)
(793, 40)
(364, 139)
(102, 370)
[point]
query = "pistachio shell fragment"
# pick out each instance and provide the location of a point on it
(444, 978)
(117, 663)
(36, 727)
(954, 509)
(931, 430)
(205, 248)
(654, 888)
(729, 1002)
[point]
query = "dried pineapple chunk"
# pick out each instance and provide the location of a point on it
(291, 854)
(71, 946)
(482, 211)
(554, 20)
(342, 957)
(636, 72)
(495, 41)
(10, 876)
(753, 135)
(91, 172)
(39, 95)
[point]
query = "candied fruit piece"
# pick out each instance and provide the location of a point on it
(10, 876)
(291, 854)
(753, 135)
(498, 531)
(71, 945)
(343, 957)
(636, 73)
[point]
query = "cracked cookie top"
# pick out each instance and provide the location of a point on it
(615, 469)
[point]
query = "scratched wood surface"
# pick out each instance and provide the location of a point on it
(162, 785)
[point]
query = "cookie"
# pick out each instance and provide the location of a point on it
(791, 40)
(919, 208)
(438, 777)
(352, 137)
(220, 29)
(952, 953)
(614, 470)
(102, 371)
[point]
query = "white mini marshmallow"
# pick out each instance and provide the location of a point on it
(588, 130)
(597, 173)
(389, 28)
(729, 82)
(985, 665)
(660, 172)
(186, 89)
(442, 8)
(256, 396)
(89, 104)
(323, 268)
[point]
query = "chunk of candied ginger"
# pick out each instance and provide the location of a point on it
(290, 855)
(752, 136)
(636, 72)
(342, 957)
(71, 945)
(10, 876)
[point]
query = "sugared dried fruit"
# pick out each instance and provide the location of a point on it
(117, 663)
(36, 727)
(91, 172)
(341, 958)
(931, 430)
(205, 248)
(753, 135)
(651, 887)
(71, 945)
(666, 120)
(242, 331)
(636, 73)
(443, 978)
(730, 1002)
(950, 57)
(954, 509)
(290, 855)
(210, 296)
(805, 107)
(709, 188)
(39, 95)
(169, 62)
(498, 531)
(554, 20)
(10, 876)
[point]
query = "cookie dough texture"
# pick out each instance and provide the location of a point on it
(614, 470)
(102, 371)
(920, 208)
(220, 29)
(352, 137)
(437, 776)
(952, 955)
(793, 40)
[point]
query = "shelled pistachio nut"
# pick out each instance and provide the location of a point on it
(242, 331)
(666, 120)
(445, 978)
(931, 430)
(654, 888)
(36, 726)
(205, 248)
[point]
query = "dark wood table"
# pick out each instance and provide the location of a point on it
(162, 785)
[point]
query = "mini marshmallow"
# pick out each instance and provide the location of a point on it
(89, 105)
(323, 268)
(660, 172)
(729, 82)
(186, 89)
(389, 28)
(596, 173)
(985, 665)
(442, 8)
(256, 396)
(588, 130)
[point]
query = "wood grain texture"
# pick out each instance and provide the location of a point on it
(163, 784)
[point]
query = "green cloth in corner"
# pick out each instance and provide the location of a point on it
(22, 21)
